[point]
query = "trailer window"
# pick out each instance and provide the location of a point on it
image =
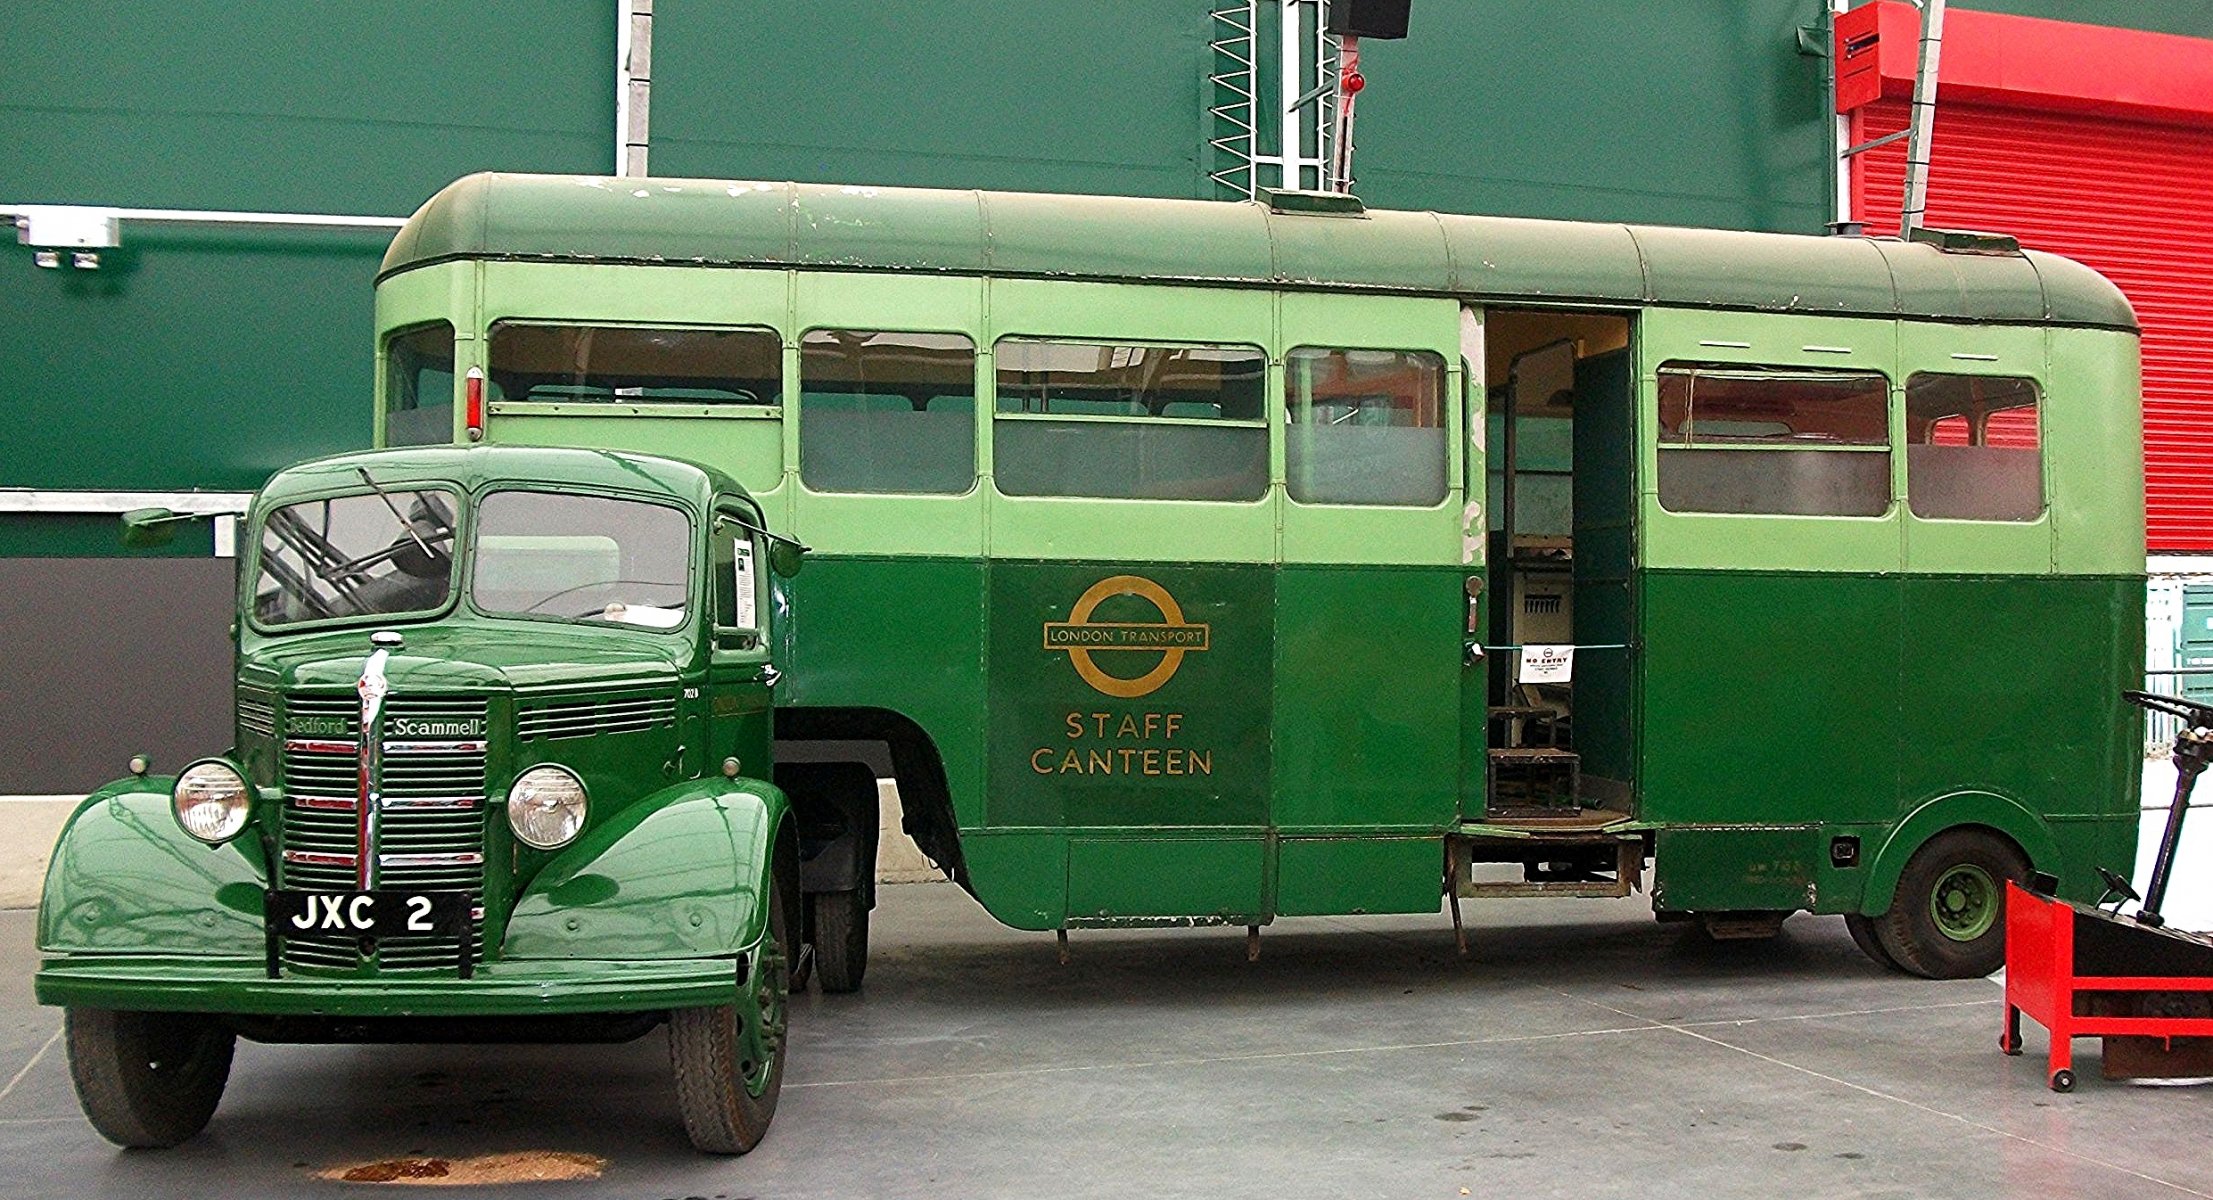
(1973, 449)
(887, 412)
(1781, 440)
(1130, 421)
(609, 364)
(418, 386)
(1366, 426)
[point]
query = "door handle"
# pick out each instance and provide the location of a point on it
(770, 675)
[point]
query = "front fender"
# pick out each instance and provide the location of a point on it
(2007, 816)
(683, 873)
(125, 877)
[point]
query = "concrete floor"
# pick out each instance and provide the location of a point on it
(1584, 1051)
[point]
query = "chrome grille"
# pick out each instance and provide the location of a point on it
(257, 712)
(552, 720)
(430, 827)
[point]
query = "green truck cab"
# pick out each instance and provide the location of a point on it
(501, 773)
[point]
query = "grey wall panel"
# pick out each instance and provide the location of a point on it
(104, 658)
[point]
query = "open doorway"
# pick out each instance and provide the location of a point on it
(1561, 498)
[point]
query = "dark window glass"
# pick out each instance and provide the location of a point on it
(418, 386)
(1130, 421)
(1973, 449)
(1366, 426)
(582, 558)
(1781, 440)
(887, 412)
(736, 581)
(606, 364)
(355, 556)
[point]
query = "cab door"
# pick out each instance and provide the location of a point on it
(740, 675)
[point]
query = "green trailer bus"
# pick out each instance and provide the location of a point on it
(1204, 563)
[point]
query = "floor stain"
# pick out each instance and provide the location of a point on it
(522, 1166)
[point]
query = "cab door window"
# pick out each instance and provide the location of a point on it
(737, 582)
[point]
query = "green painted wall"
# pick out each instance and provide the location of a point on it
(197, 359)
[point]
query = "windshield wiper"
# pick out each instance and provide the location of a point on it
(405, 524)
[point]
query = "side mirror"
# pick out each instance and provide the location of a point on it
(785, 558)
(146, 528)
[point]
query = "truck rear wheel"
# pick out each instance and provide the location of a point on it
(840, 923)
(1948, 918)
(729, 1059)
(147, 1080)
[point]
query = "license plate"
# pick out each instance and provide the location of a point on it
(376, 914)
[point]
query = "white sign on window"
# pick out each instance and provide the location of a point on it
(746, 615)
(1547, 664)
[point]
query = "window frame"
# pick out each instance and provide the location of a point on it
(639, 407)
(981, 396)
(1891, 447)
(384, 380)
(2043, 456)
(1270, 370)
(691, 557)
(749, 643)
(1444, 425)
(464, 522)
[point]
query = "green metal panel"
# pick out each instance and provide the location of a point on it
(1722, 870)
(2096, 439)
(1328, 876)
(1213, 877)
(903, 634)
(1090, 729)
(1605, 567)
(1367, 674)
(1770, 698)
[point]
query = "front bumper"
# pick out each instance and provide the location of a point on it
(178, 983)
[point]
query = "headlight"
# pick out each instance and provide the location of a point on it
(546, 806)
(212, 801)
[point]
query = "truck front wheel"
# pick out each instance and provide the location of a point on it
(729, 1059)
(147, 1080)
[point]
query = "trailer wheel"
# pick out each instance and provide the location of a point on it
(840, 923)
(729, 1059)
(1948, 918)
(148, 1080)
(1870, 943)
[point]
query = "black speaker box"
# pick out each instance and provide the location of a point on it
(1369, 18)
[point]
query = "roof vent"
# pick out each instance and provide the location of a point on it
(1312, 204)
(1961, 241)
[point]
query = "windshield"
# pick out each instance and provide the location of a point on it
(582, 558)
(375, 554)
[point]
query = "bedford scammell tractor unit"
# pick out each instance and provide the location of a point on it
(500, 773)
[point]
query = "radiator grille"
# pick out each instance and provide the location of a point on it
(430, 827)
(553, 720)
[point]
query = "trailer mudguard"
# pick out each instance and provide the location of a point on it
(683, 873)
(1951, 811)
(126, 878)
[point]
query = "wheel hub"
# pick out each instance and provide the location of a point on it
(1964, 902)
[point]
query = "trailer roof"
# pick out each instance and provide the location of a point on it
(707, 222)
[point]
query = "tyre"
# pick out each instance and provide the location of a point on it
(1870, 944)
(728, 1075)
(840, 922)
(147, 1080)
(1948, 918)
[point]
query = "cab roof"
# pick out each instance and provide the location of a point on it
(707, 222)
(473, 467)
